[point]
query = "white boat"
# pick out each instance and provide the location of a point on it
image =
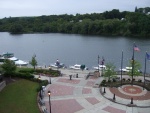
(58, 64)
(11, 57)
(61, 65)
(126, 69)
(77, 67)
(100, 67)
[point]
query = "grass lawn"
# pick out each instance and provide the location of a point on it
(19, 97)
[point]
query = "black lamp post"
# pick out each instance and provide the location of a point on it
(49, 94)
(40, 86)
(50, 80)
(98, 63)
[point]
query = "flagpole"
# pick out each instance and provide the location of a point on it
(145, 68)
(133, 63)
(98, 63)
(121, 66)
(102, 64)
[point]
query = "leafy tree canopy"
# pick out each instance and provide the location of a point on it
(109, 71)
(107, 23)
(136, 69)
(9, 66)
(33, 62)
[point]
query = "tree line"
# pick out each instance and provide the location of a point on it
(107, 23)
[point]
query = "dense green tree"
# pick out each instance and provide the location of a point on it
(109, 71)
(9, 67)
(16, 28)
(33, 61)
(136, 69)
(108, 23)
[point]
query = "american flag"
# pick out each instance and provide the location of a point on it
(148, 56)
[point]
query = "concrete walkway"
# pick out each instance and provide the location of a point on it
(83, 96)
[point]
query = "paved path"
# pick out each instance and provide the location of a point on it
(82, 96)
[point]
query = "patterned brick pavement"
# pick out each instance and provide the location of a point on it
(92, 100)
(86, 91)
(79, 96)
(113, 110)
(65, 80)
(90, 83)
(64, 106)
(60, 90)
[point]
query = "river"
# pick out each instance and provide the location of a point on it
(73, 49)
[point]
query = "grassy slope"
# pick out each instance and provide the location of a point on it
(19, 97)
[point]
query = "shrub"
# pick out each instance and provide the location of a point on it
(109, 80)
(104, 81)
(48, 72)
(24, 75)
(42, 83)
(123, 79)
(139, 80)
(26, 70)
(114, 80)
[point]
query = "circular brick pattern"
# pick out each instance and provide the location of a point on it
(132, 90)
(128, 92)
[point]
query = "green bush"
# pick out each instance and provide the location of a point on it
(114, 80)
(25, 70)
(123, 79)
(109, 81)
(104, 81)
(49, 72)
(139, 80)
(24, 75)
(41, 83)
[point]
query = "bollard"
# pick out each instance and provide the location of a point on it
(104, 90)
(70, 76)
(131, 100)
(77, 75)
(50, 81)
(114, 98)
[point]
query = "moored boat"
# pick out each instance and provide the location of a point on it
(78, 67)
(11, 57)
(100, 67)
(57, 64)
(126, 69)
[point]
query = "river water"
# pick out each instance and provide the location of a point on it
(73, 49)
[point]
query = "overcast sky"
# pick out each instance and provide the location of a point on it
(16, 8)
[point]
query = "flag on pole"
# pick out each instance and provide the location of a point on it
(136, 48)
(148, 56)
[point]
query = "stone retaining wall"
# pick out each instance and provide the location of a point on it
(2, 85)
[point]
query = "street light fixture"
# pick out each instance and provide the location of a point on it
(98, 63)
(50, 80)
(39, 77)
(49, 94)
(40, 85)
